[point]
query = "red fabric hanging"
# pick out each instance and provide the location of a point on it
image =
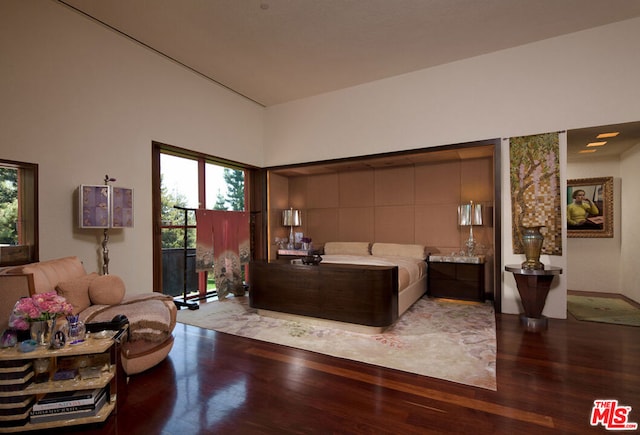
(222, 244)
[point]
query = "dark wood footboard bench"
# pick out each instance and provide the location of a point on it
(364, 295)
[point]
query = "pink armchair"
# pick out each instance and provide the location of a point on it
(98, 298)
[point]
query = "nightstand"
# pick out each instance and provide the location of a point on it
(456, 277)
(295, 253)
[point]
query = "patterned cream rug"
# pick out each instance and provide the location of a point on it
(449, 340)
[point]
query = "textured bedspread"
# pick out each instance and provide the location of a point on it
(410, 270)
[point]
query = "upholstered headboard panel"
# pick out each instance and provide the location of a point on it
(399, 250)
(347, 248)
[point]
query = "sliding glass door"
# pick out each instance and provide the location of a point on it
(184, 181)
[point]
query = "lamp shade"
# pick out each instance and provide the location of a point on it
(291, 218)
(470, 214)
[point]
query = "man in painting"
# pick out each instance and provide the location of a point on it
(580, 210)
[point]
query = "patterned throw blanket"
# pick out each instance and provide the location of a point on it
(223, 247)
(149, 317)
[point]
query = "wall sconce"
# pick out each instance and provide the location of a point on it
(291, 218)
(470, 215)
(105, 207)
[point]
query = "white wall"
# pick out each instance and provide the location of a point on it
(593, 264)
(82, 102)
(629, 229)
(579, 80)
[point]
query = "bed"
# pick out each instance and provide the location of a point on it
(357, 283)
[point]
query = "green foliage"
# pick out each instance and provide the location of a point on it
(221, 203)
(235, 188)
(8, 222)
(8, 206)
(8, 185)
(174, 237)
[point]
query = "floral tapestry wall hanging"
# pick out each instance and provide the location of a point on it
(535, 190)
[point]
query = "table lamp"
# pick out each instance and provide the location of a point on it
(291, 218)
(470, 215)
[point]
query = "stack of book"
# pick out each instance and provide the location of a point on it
(68, 405)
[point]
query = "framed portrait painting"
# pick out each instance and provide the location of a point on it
(590, 207)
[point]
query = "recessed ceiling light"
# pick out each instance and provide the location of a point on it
(586, 151)
(605, 135)
(596, 144)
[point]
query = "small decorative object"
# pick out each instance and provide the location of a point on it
(312, 260)
(102, 334)
(306, 243)
(9, 338)
(532, 242)
(59, 340)
(41, 367)
(65, 374)
(75, 329)
(27, 346)
(281, 242)
(89, 372)
(38, 313)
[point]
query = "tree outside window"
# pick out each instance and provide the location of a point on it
(18, 213)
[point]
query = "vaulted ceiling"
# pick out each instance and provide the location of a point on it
(275, 51)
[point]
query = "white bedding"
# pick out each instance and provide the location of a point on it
(410, 270)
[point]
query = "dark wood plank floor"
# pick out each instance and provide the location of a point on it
(214, 383)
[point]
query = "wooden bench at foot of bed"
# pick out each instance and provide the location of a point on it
(360, 294)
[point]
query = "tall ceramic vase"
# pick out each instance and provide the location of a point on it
(532, 242)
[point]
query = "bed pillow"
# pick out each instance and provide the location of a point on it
(399, 250)
(76, 291)
(106, 290)
(347, 248)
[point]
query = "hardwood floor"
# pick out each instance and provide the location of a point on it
(216, 383)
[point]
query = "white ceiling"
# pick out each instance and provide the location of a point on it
(274, 51)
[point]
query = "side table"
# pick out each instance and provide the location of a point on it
(456, 277)
(533, 286)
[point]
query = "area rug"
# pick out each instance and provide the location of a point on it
(603, 309)
(437, 338)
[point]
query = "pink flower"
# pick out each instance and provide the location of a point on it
(41, 306)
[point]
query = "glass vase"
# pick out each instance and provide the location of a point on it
(41, 331)
(76, 329)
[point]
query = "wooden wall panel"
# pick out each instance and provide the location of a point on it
(323, 191)
(438, 183)
(409, 204)
(476, 177)
(356, 189)
(322, 225)
(394, 186)
(437, 227)
(394, 224)
(356, 224)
